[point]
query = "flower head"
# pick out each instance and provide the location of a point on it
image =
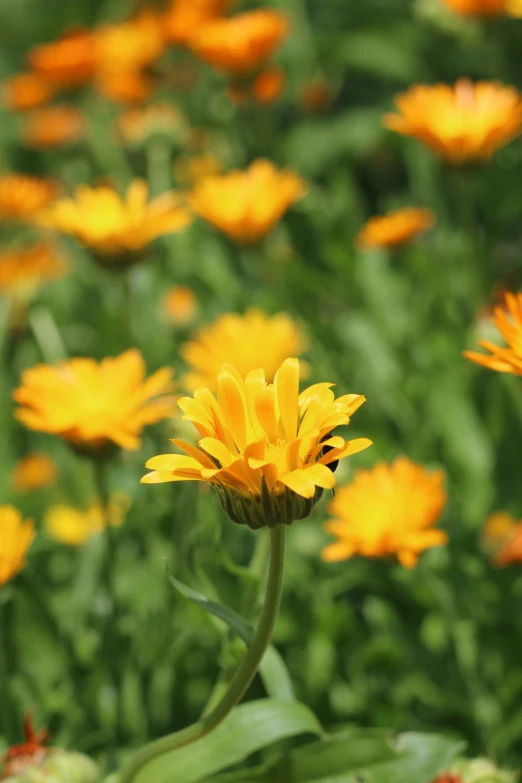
(484, 7)
(16, 536)
(93, 405)
(117, 229)
(53, 127)
(508, 320)
(246, 205)
(241, 43)
(26, 91)
(247, 342)
(182, 17)
(268, 85)
(180, 305)
(33, 472)
(502, 538)
(130, 45)
(67, 62)
(23, 197)
(74, 528)
(19, 758)
(389, 510)
(265, 447)
(126, 87)
(395, 228)
(23, 271)
(464, 123)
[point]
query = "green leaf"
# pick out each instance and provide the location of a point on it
(249, 728)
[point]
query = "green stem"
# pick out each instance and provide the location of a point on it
(8, 711)
(244, 674)
(470, 227)
(159, 165)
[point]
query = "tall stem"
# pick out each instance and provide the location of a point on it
(8, 712)
(243, 677)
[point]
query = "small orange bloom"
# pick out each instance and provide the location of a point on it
(53, 127)
(127, 87)
(130, 45)
(484, 7)
(241, 43)
(33, 472)
(26, 91)
(180, 305)
(316, 95)
(246, 205)
(20, 758)
(464, 123)
(22, 197)
(502, 537)
(22, 272)
(182, 17)
(68, 62)
(395, 228)
(16, 536)
(269, 85)
(508, 320)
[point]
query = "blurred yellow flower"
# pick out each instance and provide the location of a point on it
(389, 510)
(16, 536)
(117, 229)
(502, 537)
(255, 339)
(23, 271)
(395, 228)
(464, 123)
(182, 17)
(241, 43)
(180, 305)
(268, 85)
(130, 45)
(138, 125)
(54, 126)
(74, 528)
(508, 320)
(26, 91)
(67, 62)
(246, 205)
(265, 447)
(189, 169)
(23, 197)
(485, 7)
(93, 405)
(33, 472)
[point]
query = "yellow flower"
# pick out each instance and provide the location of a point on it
(93, 405)
(502, 537)
(23, 271)
(53, 127)
(485, 7)
(247, 341)
(130, 45)
(16, 536)
(395, 228)
(464, 123)
(389, 510)
(74, 528)
(508, 320)
(26, 91)
(68, 62)
(180, 305)
(117, 229)
(23, 197)
(246, 205)
(182, 17)
(33, 472)
(241, 43)
(265, 447)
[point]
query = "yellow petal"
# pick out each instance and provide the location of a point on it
(286, 384)
(173, 462)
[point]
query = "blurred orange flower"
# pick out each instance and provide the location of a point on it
(127, 87)
(485, 7)
(182, 17)
(26, 91)
(130, 45)
(502, 537)
(248, 342)
(508, 321)
(138, 125)
(67, 62)
(180, 305)
(16, 536)
(316, 95)
(241, 43)
(464, 123)
(22, 197)
(389, 510)
(395, 228)
(33, 472)
(246, 205)
(93, 405)
(22, 271)
(53, 127)
(268, 85)
(73, 527)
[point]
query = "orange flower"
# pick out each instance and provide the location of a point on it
(180, 305)
(16, 536)
(26, 91)
(484, 7)
(130, 45)
(316, 95)
(395, 228)
(53, 127)
(241, 43)
(246, 205)
(269, 85)
(390, 509)
(93, 405)
(464, 123)
(23, 271)
(23, 197)
(68, 62)
(127, 87)
(508, 320)
(502, 536)
(182, 17)
(33, 472)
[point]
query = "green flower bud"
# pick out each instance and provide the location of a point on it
(481, 771)
(267, 509)
(59, 766)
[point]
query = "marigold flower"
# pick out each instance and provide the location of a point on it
(265, 447)
(388, 510)
(180, 305)
(137, 126)
(241, 43)
(502, 538)
(246, 205)
(53, 127)
(484, 7)
(67, 62)
(130, 45)
(117, 229)
(182, 17)
(93, 405)
(126, 87)
(23, 271)
(33, 472)
(23, 197)
(508, 320)
(464, 123)
(395, 228)
(74, 528)
(16, 536)
(26, 91)
(268, 85)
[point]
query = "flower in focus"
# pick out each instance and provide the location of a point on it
(502, 538)
(265, 447)
(53, 127)
(33, 472)
(23, 197)
(32, 752)
(16, 536)
(246, 205)
(268, 85)
(389, 510)
(395, 228)
(138, 126)
(247, 341)
(93, 405)
(26, 91)
(182, 17)
(464, 123)
(484, 7)
(117, 229)
(67, 62)
(23, 271)
(180, 305)
(74, 528)
(508, 321)
(241, 43)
